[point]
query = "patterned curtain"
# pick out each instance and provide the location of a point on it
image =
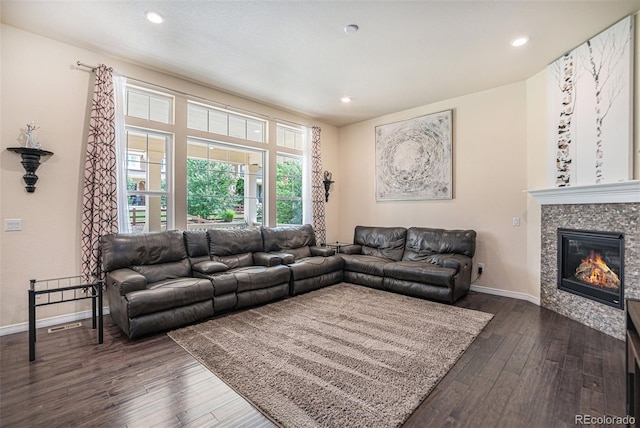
(317, 187)
(99, 204)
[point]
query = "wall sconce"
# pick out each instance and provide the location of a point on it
(31, 153)
(327, 185)
(30, 162)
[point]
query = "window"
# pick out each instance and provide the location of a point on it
(149, 105)
(148, 192)
(224, 185)
(147, 189)
(223, 122)
(289, 189)
(225, 180)
(289, 137)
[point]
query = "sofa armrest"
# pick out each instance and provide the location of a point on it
(458, 262)
(322, 251)
(208, 267)
(266, 259)
(351, 249)
(126, 280)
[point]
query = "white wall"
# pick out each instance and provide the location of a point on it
(40, 82)
(490, 163)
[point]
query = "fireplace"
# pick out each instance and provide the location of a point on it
(591, 265)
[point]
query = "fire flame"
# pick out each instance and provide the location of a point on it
(593, 270)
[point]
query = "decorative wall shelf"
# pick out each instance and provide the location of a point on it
(611, 193)
(30, 162)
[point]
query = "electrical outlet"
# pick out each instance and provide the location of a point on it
(12, 224)
(480, 268)
(516, 222)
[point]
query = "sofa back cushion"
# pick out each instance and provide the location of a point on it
(234, 247)
(162, 271)
(156, 255)
(197, 245)
(295, 240)
(387, 242)
(423, 242)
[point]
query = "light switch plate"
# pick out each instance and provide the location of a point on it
(12, 224)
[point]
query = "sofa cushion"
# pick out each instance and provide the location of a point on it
(370, 265)
(288, 237)
(235, 260)
(228, 242)
(423, 242)
(386, 242)
(315, 266)
(258, 277)
(196, 245)
(299, 253)
(122, 250)
(287, 258)
(209, 267)
(162, 271)
(167, 294)
(423, 273)
(224, 283)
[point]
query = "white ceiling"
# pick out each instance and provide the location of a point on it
(295, 54)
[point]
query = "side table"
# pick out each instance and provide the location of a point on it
(72, 295)
(337, 245)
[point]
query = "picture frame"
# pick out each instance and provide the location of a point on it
(414, 158)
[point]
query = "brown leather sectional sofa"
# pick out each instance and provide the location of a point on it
(163, 280)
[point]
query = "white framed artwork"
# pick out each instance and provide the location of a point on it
(414, 158)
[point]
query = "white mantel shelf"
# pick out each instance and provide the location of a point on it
(611, 193)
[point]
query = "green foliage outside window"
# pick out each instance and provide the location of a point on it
(289, 192)
(212, 188)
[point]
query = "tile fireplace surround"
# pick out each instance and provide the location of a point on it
(614, 217)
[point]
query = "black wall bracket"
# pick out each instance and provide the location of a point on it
(30, 162)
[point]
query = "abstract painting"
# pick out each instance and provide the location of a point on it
(414, 158)
(590, 110)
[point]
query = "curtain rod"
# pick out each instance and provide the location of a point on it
(219, 104)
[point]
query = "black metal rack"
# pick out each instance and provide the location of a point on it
(76, 290)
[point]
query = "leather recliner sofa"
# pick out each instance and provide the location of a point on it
(428, 263)
(162, 280)
(149, 283)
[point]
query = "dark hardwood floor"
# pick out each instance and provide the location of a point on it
(530, 367)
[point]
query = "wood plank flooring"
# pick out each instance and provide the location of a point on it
(530, 367)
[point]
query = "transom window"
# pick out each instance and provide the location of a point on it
(149, 105)
(289, 137)
(223, 122)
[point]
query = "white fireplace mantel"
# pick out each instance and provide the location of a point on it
(611, 193)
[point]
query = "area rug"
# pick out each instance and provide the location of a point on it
(341, 356)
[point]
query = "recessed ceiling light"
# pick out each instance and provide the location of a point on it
(345, 99)
(155, 17)
(520, 41)
(351, 28)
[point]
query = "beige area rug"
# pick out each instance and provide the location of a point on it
(341, 356)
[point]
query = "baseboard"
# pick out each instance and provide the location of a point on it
(506, 293)
(48, 322)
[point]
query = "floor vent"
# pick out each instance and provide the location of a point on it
(64, 327)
